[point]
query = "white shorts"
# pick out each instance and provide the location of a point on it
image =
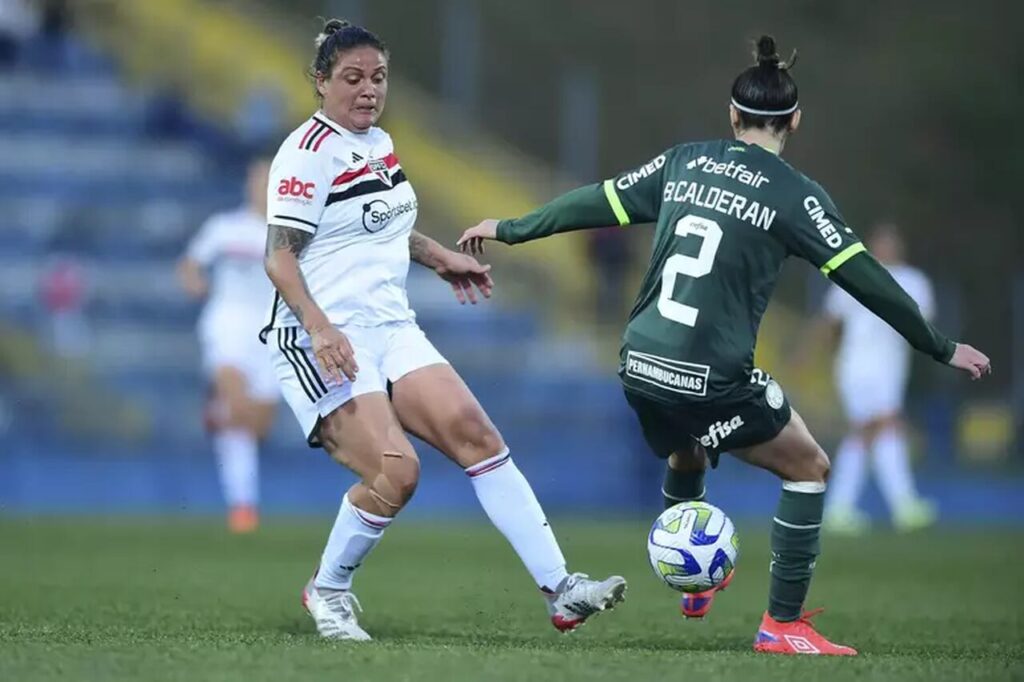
(865, 397)
(384, 354)
(231, 342)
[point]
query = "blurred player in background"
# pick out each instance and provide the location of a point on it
(728, 214)
(338, 247)
(224, 265)
(871, 371)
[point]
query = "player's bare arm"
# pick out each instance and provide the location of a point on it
(463, 272)
(281, 260)
(191, 278)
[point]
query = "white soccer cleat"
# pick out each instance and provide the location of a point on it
(334, 612)
(580, 597)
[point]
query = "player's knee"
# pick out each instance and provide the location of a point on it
(394, 483)
(819, 467)
(814, 466)
(475, 433)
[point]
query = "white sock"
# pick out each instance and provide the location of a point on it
(354, 534)
(508, 499)
(238, 464)
(847, 480)
(892, 468)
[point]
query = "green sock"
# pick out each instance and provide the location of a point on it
(682, 486)
(795, 547)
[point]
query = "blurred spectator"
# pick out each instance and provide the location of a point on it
(260, 119)
(19, 21)
(62, 290)
(610, 254)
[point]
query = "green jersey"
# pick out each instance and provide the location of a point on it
(728, 215)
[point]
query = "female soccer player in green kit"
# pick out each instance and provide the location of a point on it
(728, 213)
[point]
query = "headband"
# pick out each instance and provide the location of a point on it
(762, 112)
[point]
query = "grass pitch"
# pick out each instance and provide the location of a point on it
(182, 600)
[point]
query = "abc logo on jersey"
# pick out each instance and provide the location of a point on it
(293, 188)
(378, 213)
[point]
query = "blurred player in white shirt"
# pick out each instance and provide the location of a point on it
(224, 265)
(872, 367)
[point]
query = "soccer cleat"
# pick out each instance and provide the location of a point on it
(697, 604)
(848, 521)
(334, 612)
(796, 637)
(579, 598)
(243, 518)
(915, 514)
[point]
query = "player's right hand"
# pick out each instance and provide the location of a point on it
(334, 353)
(472, 240)
(971, 360)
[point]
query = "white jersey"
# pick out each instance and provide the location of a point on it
(349, 191)
(230, 246)
(870, 349)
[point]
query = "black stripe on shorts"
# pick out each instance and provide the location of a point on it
(305, 358)
(307, 388)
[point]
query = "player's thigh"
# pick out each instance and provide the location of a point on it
(793, 454)
(434, 404)
(364, 434)
(262, 416)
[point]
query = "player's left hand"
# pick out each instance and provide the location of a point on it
(472, 240)
(466, 275)
(971, 360)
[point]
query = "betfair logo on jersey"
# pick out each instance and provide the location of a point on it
(644, 171)
(736, 171)
(293, 187)
(672, 375)
(824, 226)
(719, 431)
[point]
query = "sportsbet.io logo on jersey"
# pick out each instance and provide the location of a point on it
(378, 213)
(672, 375)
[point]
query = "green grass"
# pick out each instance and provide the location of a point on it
(182, 600)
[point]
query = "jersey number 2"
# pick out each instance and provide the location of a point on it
(710, 234)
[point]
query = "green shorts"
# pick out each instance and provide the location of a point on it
(750, 416)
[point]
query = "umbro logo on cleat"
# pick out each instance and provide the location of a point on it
(801, 645)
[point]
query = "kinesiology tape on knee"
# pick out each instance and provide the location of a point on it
(382, 489)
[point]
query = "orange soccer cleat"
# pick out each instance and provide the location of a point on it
(796, 637)
(697, 604)
(243, 518)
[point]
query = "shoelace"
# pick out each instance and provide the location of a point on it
(346, 600)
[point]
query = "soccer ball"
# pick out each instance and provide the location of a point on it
(693, 546)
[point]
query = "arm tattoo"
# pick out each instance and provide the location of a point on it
(280, 237)
(294, 241)
(419, 249)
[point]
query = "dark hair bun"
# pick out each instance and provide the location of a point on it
(331, 26)
(766, 53)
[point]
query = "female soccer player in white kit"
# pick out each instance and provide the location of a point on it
(872, 367)
(341, 214)
(223, 263)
